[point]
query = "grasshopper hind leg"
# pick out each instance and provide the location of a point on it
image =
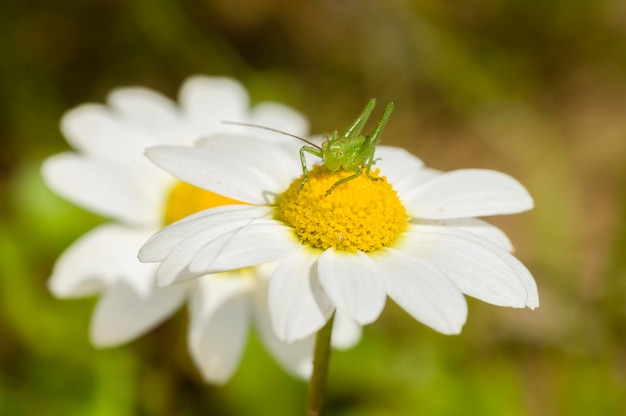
(370, 162)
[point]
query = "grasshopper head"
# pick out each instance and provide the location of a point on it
(333, 153)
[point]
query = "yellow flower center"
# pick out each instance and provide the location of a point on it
(361, 214)
(185, 199)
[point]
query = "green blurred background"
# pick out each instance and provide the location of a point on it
(534, 88)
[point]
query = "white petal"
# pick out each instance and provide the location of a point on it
(346, 332)
(295, 357)
(298, 305)
(100, 258)
(260, 242)
(218, 330)
(472, 225)
(151, 112)
(94, 130)
(217, 173)
(413, 180)
(161, 243)
(354, 283)
(118, 192)
(468, 193)
(207, 101)
(121, 315)
(175, 268)
(478, 267)
(395, 163)
(278, 117)
(279, 162)
(424, 292)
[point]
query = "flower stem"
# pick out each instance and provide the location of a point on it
(316, 396)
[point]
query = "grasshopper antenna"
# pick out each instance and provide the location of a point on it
(236, 123)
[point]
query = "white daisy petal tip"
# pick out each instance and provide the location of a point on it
(480, 267)
(424, 291)
(207, 101)
(354, 284)
(346, 333)
(219, 325)
(468, 193)
(122, 315)
(532, 302)
(298, 305)
(279, 117)
(203, 84)
(74, 119)
(450, 327)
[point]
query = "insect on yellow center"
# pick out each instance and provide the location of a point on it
(185, 199)
(362, 214)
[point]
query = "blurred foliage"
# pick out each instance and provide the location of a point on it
(533, 88)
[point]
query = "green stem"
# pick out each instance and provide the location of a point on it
(316, 396)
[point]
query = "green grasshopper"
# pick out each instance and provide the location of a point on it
(350, 151)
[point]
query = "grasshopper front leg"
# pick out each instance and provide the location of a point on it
(308, 149)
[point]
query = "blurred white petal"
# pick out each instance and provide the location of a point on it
(207, 101)
(346, 332)
(102, 257)
(295, 357)
(118, 192)
(122, 315)
(151, 112)
(219, 325)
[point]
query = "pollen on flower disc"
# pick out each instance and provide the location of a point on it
(362, 214)
(185, 199)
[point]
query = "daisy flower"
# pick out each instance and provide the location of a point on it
(411, 235)
(109, 175)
